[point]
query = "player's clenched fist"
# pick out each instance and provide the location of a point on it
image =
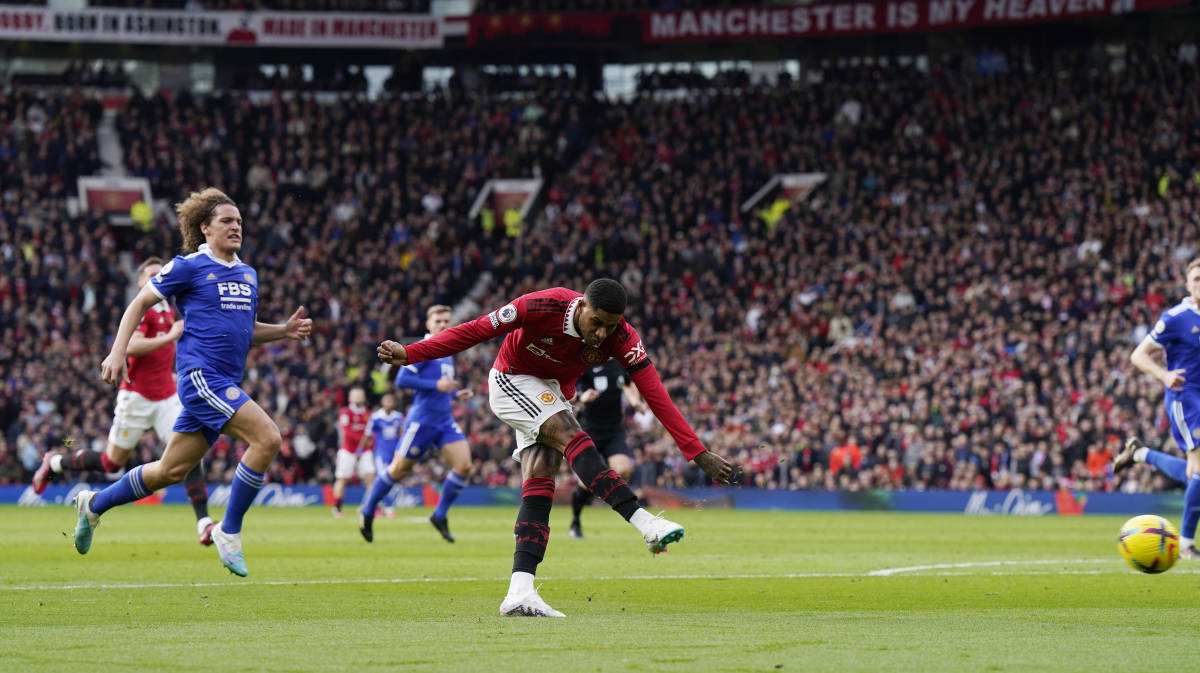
(392, 353)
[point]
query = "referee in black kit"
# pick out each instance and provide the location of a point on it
(600, 389)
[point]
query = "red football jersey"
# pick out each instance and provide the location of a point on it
(352, 424)
(151, 375)
(542, 341)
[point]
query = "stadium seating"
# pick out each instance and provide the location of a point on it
(953, 308)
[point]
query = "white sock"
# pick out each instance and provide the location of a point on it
(56, 463)
(202, 523)
(520, 584)
(1185, 542)
(1139, 455)
(640, 519)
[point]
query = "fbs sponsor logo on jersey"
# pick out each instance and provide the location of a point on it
(592, 356)
(546, 397)
(236, 296)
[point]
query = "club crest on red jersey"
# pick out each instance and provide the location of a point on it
(592, 356)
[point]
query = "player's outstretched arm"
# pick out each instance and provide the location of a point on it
(297, 328)
(114, 367)
(655, 394)
(455, 339)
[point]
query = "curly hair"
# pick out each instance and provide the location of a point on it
(196, 211)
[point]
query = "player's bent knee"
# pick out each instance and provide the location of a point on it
(175, 473)
(540, 460)
(557, 430)
(272, 442)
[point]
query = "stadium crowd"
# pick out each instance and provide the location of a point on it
(952, 308)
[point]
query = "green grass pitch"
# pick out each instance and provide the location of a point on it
(744, 591)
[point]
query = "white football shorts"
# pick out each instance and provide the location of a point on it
(348, 461)
(134, 415)
(524, 402)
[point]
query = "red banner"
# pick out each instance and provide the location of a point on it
(782, 23)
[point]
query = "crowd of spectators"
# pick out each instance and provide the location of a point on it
(331, 77)
(952, 308)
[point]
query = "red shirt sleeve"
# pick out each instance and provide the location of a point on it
(144, 326)
(629, 350)
(461, 337)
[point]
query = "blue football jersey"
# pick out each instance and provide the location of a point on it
(1178, 332)
(429, 403)
(385, 430)
(219, 302)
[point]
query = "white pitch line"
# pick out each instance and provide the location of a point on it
(946, 570)
(885, 572)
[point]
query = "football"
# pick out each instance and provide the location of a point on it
(1149, 543)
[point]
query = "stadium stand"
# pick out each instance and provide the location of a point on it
(953, 308)
(411, 6)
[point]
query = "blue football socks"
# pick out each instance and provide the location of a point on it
(1191, 508)
(126, 489)
(451, 487)
(1172, 466)
(379, 488)
(246, 485)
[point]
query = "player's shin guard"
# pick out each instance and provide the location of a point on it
(197, 491)
(591, 469)
(1191, 508)
(246, 484)
(533, 524)
(1172, 466)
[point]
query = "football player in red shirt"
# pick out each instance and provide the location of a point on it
(352, 427)
(147, 400)
(552, 336)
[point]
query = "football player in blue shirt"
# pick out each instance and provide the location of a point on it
(383, 432)
(429, 425)
(1177, 333)
(218, 296)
